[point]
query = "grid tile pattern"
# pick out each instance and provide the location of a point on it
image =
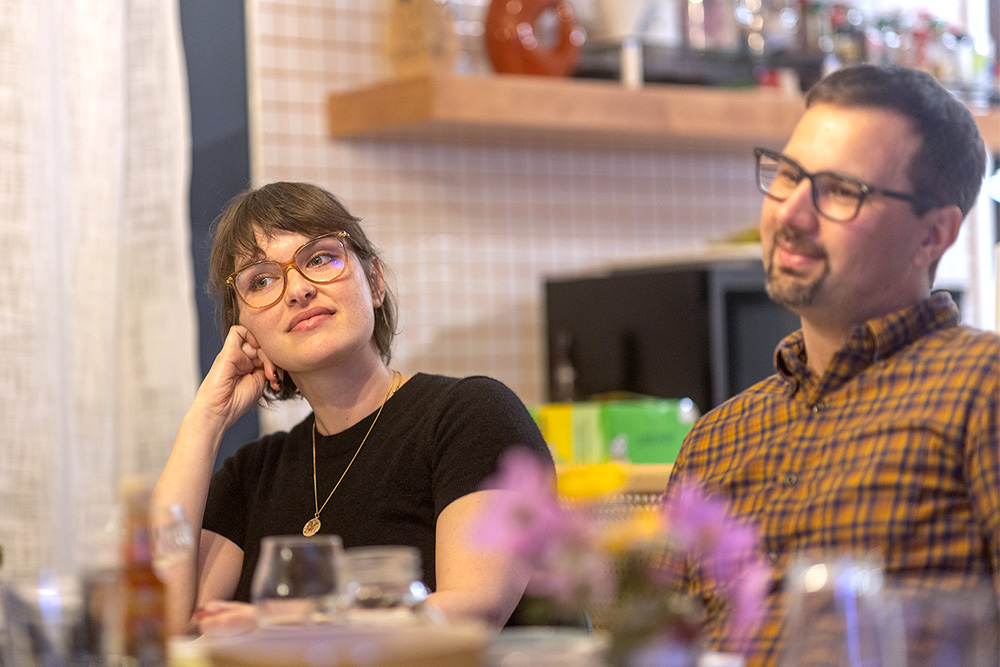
(471, 231)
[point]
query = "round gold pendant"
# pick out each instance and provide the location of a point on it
(311, 527)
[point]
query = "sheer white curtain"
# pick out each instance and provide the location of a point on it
(97, 320)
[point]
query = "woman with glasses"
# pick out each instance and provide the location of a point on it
(384, 457)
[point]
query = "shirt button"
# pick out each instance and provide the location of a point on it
(818, 407)
(790, 479)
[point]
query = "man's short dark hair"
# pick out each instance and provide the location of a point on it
(950, 164)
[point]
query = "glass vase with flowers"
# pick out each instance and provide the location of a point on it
(624, 565)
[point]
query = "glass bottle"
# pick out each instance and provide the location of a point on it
(142, 604)
(420, 37)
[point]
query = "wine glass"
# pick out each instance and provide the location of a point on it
(298, 580)
(47, 621)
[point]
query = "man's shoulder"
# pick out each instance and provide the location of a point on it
(987, 340)
(962, 344)
(758, 396)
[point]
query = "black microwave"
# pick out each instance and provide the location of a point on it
(704, 331)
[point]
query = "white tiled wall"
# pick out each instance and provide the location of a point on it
(470, 232)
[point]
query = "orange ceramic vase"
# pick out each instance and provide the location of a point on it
(514, 47)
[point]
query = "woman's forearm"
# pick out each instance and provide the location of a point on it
(184, 483)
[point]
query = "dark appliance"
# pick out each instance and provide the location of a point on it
(703, 331)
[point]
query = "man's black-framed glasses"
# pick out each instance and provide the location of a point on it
(322, 260)
(834, 195)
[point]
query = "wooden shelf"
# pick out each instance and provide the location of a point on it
(565, 111)
(643, 477)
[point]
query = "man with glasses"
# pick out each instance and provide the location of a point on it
(877, 437)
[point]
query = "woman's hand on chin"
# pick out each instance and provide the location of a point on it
(221, 618)
(236, 379)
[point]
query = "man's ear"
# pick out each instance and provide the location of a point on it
(941, 227)
(377, 280)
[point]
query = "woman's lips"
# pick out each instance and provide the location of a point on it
(309, 319)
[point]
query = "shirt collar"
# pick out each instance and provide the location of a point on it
(867, 343)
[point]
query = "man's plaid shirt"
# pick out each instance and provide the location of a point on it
(894, 453)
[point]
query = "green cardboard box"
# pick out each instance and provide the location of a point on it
(646, 430)
(633, 430)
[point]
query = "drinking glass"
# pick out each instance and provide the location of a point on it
(173, 555)
(384, 584)
(469, 25)
(298, 580)
(48, 624)
(173, 539)
(950, 623)
(839, 614)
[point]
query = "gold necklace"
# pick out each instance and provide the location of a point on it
(313, 524)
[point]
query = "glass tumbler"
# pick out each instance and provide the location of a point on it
(298, 580)
(49, 622)
(951, 621)
(384, 584)
(840, 614)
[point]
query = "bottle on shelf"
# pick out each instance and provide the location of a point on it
(420, 37)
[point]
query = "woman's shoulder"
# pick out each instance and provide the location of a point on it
(269, 448)
(471, 387)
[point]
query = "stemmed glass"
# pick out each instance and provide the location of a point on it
(298, 580)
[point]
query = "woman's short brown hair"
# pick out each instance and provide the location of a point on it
(301, 208)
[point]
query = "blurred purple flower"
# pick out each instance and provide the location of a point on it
(702, 526)
(726, 550)
(747, 594)
(579, 557)
(575, 567)
(527, 519)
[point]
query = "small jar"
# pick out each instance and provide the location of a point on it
(384, 585)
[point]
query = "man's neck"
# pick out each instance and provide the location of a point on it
(824, 335)
(821, 343)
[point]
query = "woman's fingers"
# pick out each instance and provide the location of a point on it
(225, 618)
(236, 379)
(274, 375)
(252, 350)
(248, 344)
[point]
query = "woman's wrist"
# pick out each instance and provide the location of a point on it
(205, 426)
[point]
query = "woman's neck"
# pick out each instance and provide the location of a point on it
(342, 397)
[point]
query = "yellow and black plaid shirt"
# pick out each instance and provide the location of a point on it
(893, 453)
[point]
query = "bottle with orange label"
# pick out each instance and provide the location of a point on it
(142, 633)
